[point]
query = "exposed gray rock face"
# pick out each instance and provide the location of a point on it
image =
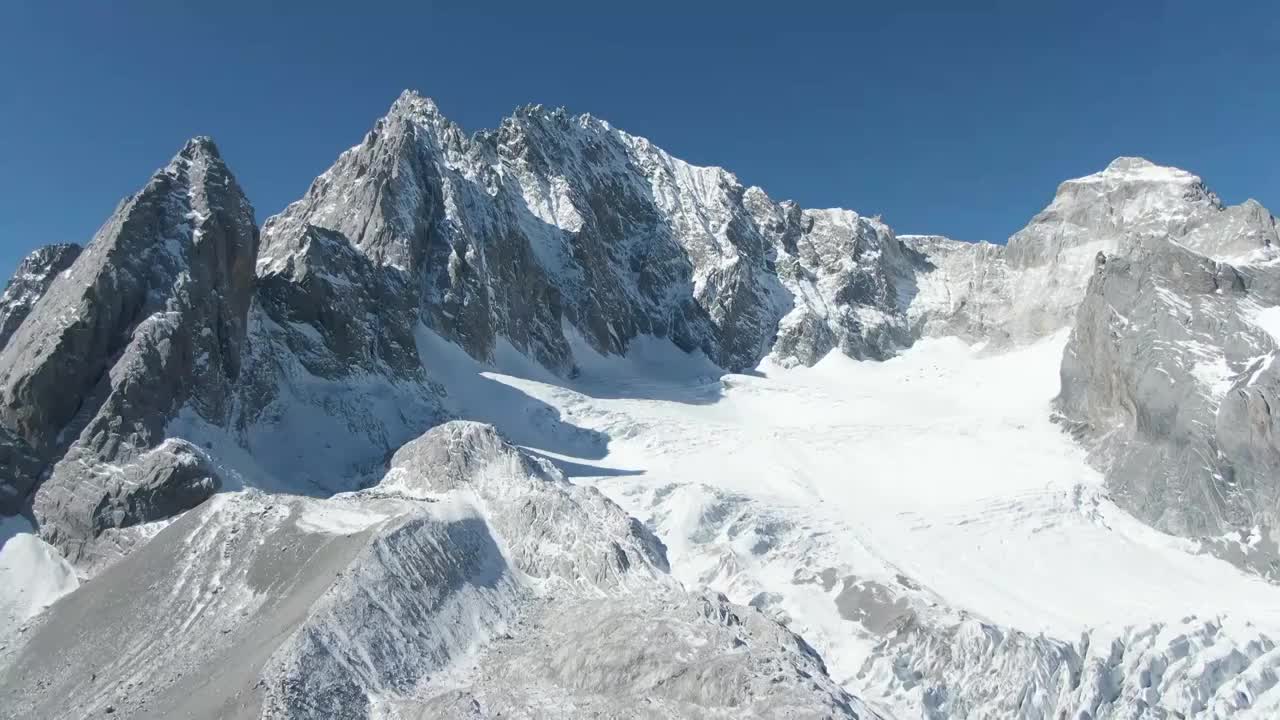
(963, 289)
(81, 504)
(1031, 288)
(332, 381)
(852, 281)
(22, 468)
(467, 588)
(29, 282)
(1164, 337)
(472, 456)
(1239, 234)
(150, 316)
(587, 662)
(1164, 376)
(173, 359)
(1248, 431)
(554, 219)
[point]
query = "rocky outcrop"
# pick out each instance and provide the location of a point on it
(1165, 357)
(469, 456)
(22, 469)
(1165, 379)
(555, 220)
(702, 656)
(851, 281)
(30, 280)
(474, 580)
(149, 317)
(455, 574)
(963, 289)
(1032, 287)
(332, 380)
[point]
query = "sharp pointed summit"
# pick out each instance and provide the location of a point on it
(543, 421)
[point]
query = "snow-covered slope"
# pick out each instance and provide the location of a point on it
(944, 545)
(473, 580)
(32, 575)
(542, 421)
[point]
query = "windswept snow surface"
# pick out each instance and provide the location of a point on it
(32, 574)
(808, 491)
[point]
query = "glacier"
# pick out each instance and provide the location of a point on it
(542, 421)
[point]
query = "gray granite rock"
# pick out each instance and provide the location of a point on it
(1165, 379)
(1031, 287)
(30, 280)
(555, 220)
(20, 470)
(150, 317)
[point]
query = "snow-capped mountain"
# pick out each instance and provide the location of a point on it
(545, 422)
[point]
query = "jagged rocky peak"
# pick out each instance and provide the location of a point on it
(1032, 287)
(30, 280)
(150, 316)
(1131, 197)
(1135, 198)
(555, 220)
(412, 103)
(377, 195)
(187, 238)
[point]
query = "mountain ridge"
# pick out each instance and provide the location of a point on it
(185, 360)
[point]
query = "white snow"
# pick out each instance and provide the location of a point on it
(32, 573)
(334, 518)
(1138, 170)
(1269, 320)
(940, 465)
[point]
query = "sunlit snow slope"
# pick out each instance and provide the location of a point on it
(851, 496)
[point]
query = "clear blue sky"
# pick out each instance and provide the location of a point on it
(940, 118)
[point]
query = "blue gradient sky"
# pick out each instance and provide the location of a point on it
(941, 118)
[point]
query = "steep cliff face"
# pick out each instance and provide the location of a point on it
(311, 374)
(29, 283)
(555, 219)
(150, 315)
(1155, 379)
(1166, 379)
(1032, 287)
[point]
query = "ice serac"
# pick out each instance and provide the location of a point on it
(33, 277)
(149, 316)
(1192, 668)
(473, 581)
